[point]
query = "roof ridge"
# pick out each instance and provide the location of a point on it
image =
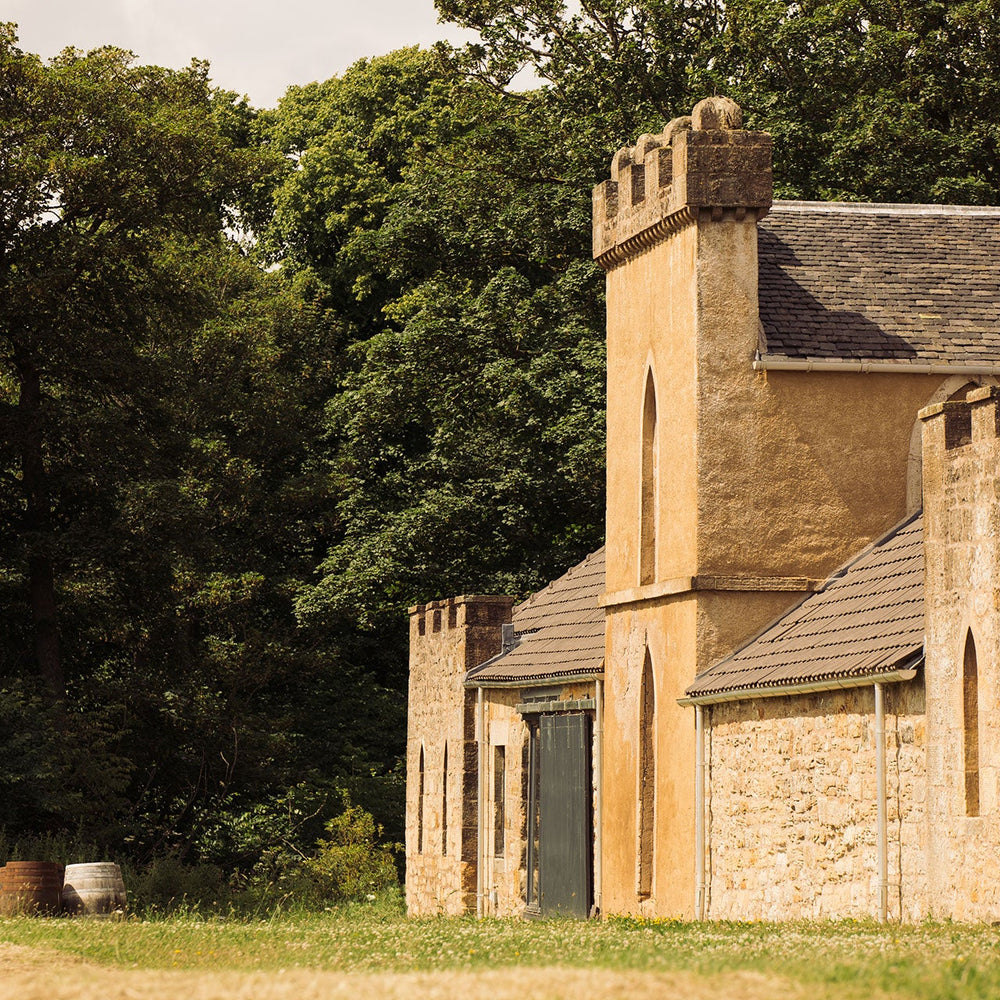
(884, 208)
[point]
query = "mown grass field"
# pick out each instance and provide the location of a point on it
(836, 960)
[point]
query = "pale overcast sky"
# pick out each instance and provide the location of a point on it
(255, 47)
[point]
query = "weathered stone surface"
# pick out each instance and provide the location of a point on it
(961, 456)
(660, 184)
(791, 809)
(446, 639)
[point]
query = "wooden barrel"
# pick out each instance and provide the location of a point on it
(95, 888)
(30, 887)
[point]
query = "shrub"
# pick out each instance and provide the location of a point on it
(350, 864)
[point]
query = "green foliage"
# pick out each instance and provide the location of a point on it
(869, 101)
(162, 492)
(350, 864)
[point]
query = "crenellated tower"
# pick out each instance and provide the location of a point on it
(961, 455)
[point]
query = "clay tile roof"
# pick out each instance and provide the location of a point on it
(916, 283)
(560, 630)
(868, 618)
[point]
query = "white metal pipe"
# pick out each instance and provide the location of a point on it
(699, 813)
(766, 364)
(882, 846)
(480, 806)
(598, 792)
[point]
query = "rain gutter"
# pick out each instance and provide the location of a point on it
(763, 363)
(806, 687)
(882, 846)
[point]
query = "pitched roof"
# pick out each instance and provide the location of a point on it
(868, 618)
(560, 630)
(915, 283)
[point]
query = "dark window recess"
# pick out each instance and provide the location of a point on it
(420, 806)
(499, 780)
(650, 476)
(970, 700)
(647, 779)
(444, 803)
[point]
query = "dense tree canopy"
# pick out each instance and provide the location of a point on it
(267, 377)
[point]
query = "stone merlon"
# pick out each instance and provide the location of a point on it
(703, 163)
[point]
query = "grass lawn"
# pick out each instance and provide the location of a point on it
(836, 960)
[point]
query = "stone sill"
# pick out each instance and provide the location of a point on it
(691, 584)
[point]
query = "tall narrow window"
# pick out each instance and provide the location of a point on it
(647, 779)
(650, 477)
(444, 803)
(499, 781)
(970, 705)
(420, 805)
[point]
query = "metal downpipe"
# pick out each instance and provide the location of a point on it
(882, 846)
(598, 792)
(480, 853)
(699, 813)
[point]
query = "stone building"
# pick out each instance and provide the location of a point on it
(772, 693)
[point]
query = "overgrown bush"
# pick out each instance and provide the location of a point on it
(350, 863)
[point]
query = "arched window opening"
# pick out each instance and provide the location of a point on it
(650, 478)
(647, 779)
(420, 805)
(444, 803)
(970, 706)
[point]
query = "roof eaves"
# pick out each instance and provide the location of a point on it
(896, 674)
(535, 679)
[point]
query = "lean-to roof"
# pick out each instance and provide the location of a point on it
(559, 631)
(867, 619)
(910, 283)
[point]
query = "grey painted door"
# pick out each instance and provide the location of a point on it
(565, 836)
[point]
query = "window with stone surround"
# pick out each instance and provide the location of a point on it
(648, 502)
(970, 706)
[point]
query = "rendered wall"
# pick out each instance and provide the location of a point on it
(766, 482)
(791, 806)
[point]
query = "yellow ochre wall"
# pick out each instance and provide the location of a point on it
(767, 481)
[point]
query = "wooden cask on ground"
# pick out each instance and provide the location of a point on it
(95, 888)
(30, 887)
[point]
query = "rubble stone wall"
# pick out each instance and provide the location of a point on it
(791, 808)
(446, 639)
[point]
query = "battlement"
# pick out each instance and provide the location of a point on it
(960, 422)
(490, 611)
(703, 163)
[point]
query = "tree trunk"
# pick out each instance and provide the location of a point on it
(38, 529)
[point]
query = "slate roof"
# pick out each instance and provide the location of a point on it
(916, 283)
(560, 631)
(866, 619)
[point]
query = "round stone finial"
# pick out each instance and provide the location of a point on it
(716, 113)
